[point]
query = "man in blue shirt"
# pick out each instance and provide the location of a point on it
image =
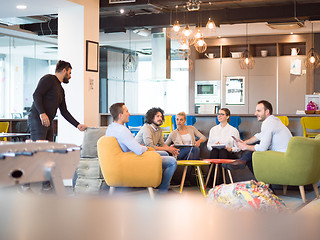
(127, 142)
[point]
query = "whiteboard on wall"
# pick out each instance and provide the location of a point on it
(235, 90)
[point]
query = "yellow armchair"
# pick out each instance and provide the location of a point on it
(126, 169)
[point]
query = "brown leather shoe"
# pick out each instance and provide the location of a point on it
(237, 164)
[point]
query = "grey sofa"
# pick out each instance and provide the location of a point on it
(90, 179)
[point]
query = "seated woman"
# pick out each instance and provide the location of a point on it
(223, 134)
(185, 135)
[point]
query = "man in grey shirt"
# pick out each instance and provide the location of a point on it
(120, 115)
(151, 134)
(274, 136)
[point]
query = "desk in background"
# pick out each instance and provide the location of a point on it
(16, 137)
(20, 125)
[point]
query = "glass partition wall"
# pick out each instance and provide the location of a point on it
(138, 88)
(22, 63)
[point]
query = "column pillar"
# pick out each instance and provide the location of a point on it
(76, 25)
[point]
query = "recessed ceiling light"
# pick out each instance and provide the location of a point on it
(219, 36)
(121, 10)
(21, 7)
(291, 33)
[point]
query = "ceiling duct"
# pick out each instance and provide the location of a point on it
(286, 25)
(21, 20)
(161, 69)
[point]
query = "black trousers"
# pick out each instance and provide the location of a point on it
(221, 154)
(38, 131)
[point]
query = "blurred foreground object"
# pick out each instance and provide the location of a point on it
(24, 163)
(171, 217)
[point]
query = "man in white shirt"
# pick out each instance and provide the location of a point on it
(274, 136)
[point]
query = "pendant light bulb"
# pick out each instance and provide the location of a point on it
(176, 26)
(187, 31)
(312, 59)
(247, 61)
(200, 43)
(198, 34)
(210, 24)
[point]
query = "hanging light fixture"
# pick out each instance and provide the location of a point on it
(175, 31)
(247, 60)
(210, 24)
(193, 5)
(176, 26)
(200, 45)
(198, 34)
(130, 63)
(187, 31)
(312, 60)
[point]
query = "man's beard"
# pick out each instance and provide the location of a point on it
(158, 125)
(65, 79)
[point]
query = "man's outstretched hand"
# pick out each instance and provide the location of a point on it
(82, 127)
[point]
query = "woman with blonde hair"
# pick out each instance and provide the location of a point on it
(185, 136)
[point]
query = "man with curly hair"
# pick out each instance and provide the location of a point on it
(150, 134)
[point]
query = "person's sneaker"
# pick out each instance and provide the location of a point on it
(237, 164)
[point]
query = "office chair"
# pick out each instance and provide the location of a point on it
(235, 121)
(4, 126)
(310, 123)
(191, 120)
(135, 123)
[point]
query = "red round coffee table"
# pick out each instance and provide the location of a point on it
(217, 162)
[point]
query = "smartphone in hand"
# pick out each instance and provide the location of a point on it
(237, 140)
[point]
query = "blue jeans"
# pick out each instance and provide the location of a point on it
(163, 153)
(169, 165)
(184, 153)
(248, 158)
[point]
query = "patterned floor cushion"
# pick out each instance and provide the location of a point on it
(246, 195)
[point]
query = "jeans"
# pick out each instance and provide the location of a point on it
(248, 158)
(185, 153)
(163, 153)
(169, 165)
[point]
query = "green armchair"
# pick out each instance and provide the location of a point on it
(299, 166)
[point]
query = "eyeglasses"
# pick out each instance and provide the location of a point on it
(221, 114)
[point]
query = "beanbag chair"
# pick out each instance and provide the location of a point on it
(246, 195)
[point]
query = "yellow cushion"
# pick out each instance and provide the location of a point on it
(122, 169)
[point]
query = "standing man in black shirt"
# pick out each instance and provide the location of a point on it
(47, 98)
